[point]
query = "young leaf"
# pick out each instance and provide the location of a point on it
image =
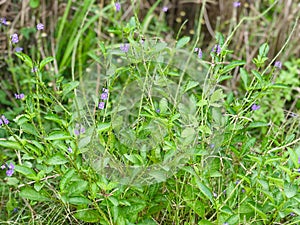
(245, 77)
(66, 178)
(58, 135)
(57, 159)
(89, 216)
(25, 58)
(182, 42)
(77, 187)
(45, 61)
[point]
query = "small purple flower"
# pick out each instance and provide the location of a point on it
(101, 105)
(299, 160)
(292, 214)
(19, 96)
(82, 130)
(15, 210)
(217, 49)
(78, 129)
(215, 194)
(157, 110)
(236, 4)
(142, 41)
(105, 90)
(243, 190)
(3, 21)
(18, 49)
(237, 181)
(11, 166)
(5, 121)
(165, 9)
(9, 173)
(70, 150)
(278, 64)
(124, 47)
(255, 107)
(14, 38)
(76, 132)
(225, 223)
(104, 96)
(1, 122)
(3, 166)
(40, 26)
(34, 69)
(212, 145)
(118, 6)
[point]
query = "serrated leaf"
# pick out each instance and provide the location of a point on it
(45, 61)
(90, 216)
(32, 194)
(58, 135)
(182, 42)
(57, 159)
(67, 88)
(77, 187)
(66, 178)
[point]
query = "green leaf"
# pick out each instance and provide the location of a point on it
(32, 194)
(25, 58)
(45, 61)
(29, 129)
(57, 159)
(163, 105)
(58, 135)
(204, 189)
(190, 85)
(258, 124)
(257, 210)
(90, 216)
(159, 46)
(217, 95)
(257, 75)
(34, 3)
(103, 127)
(245, 77)
(26, 171)
(182, 42)
(67, 88)
(77, 187)
(264, 49)
(10, 144)
(54, 118)
(293, 157)
(78, 200)
(66, 178)
(231, 66)
(205, 222)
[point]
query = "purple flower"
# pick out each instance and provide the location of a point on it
(78, 129)
(70, 150)
(19, 96)
(3, 166)
(200, 53)
(105, 90)
(124, 47)
(236, 4)
(212, 145)
(34, 69)
(243, 190)
(101, 105)
(299, 160)
(104, 96)
(5, 121)
(14, 38)
(157, 110)
(18, 49)
(237, 181)
(9, 172)
(215, 195)
(142, 41)
(1, 122)
(11, 166)
(165, 9)
(40, 26)
(292, 214)
(217, 49)
(118, 6)
(255, 107)
(15, 210)
(278, 64)
(3, 21)
(225, 223)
